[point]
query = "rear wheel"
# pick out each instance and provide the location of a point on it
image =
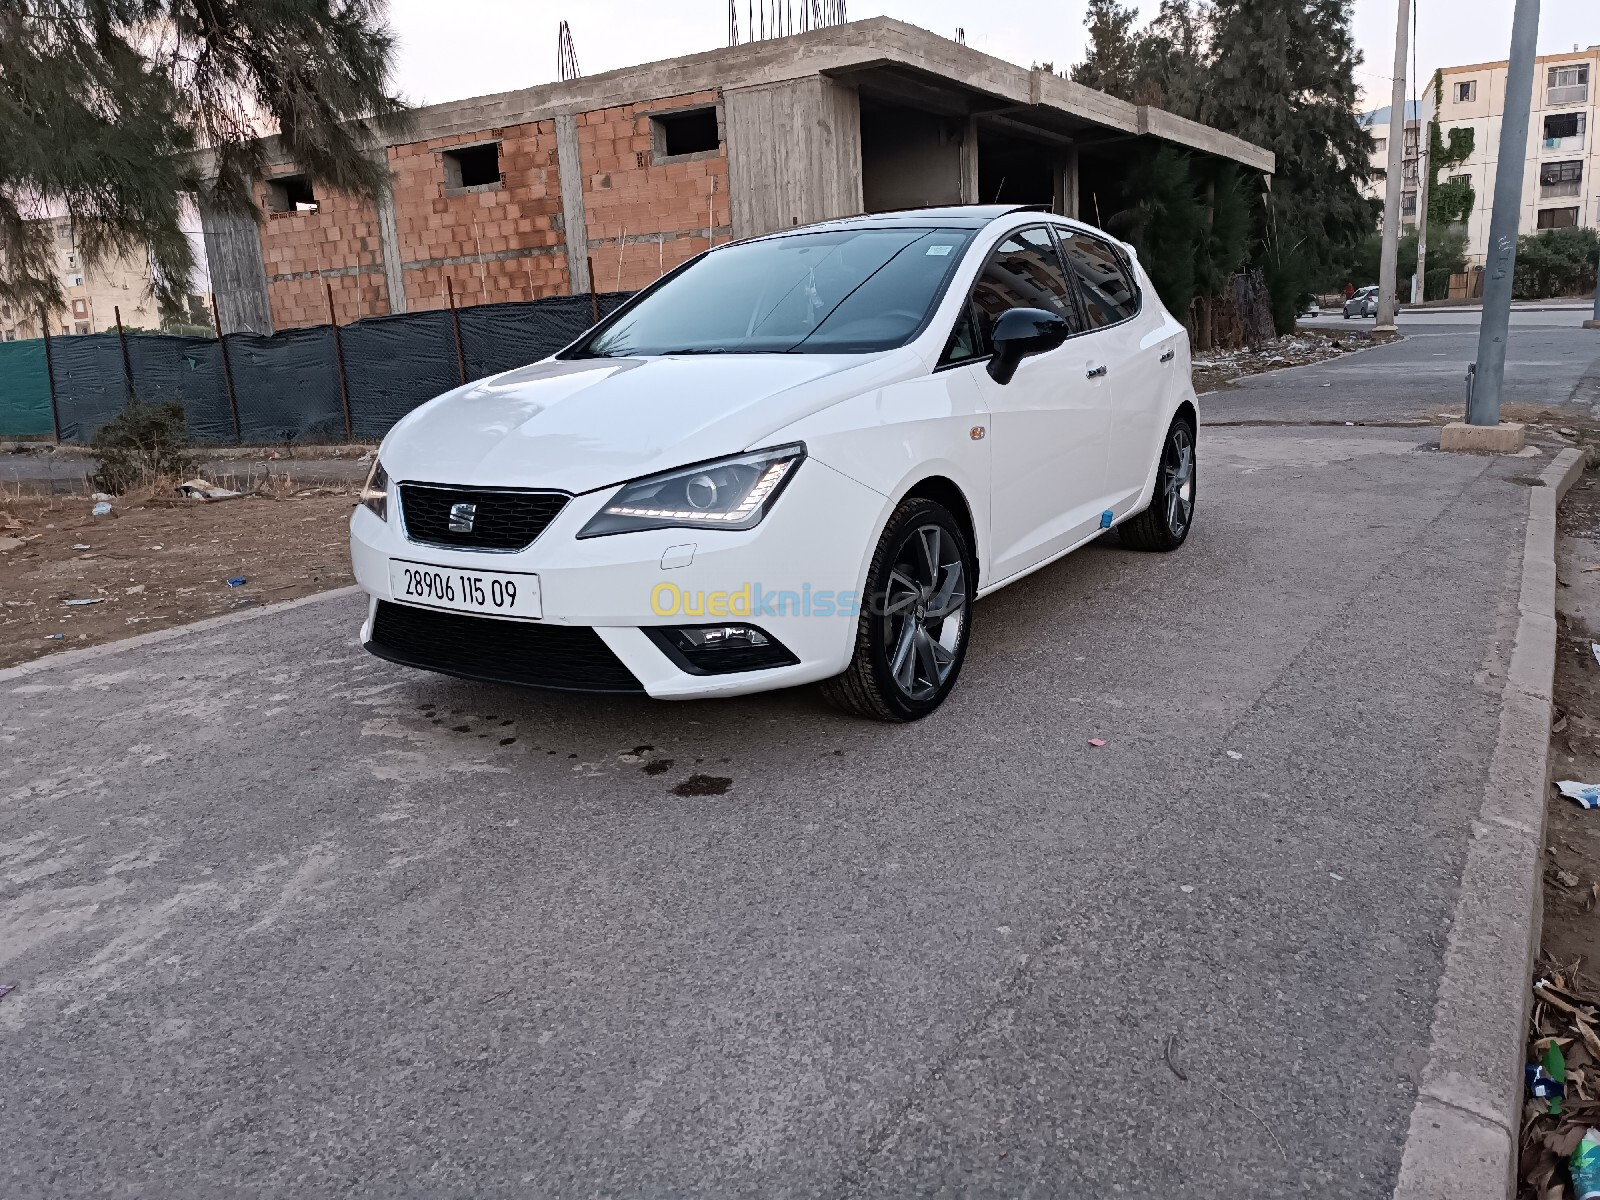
(911, 637)
(1165, 524)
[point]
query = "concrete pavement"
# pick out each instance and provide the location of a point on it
(288, 920)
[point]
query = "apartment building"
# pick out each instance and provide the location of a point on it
(606, 181)
(1559, 188)
(93, 297)
(1380, 125)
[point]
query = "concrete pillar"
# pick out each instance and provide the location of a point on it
(969, 162)
(238, 271)
(569, 165)
(1066, 200)
(794, 153)
(394, 276)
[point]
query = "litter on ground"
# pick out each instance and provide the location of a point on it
(204, 489)
(1586, 794)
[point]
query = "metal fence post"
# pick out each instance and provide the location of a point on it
(127, 364)
(227, 373)
(455, 323)
(594, 296)
(338, 357)
(50, 374)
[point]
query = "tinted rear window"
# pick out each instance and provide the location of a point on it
(1108, 291)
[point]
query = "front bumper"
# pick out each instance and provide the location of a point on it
(791, 570)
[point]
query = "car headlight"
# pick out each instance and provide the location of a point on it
(375, 492)
(731, 493)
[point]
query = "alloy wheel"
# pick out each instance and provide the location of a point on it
(924, 610)
(1177, 468)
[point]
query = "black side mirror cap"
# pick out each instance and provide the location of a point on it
(1021, 332)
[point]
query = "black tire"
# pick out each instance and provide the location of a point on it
(1166, 523)
(893, 612)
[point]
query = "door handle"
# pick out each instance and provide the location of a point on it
(1096, 372)
(1169, 355)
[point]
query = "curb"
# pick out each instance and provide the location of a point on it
(72, 658)
(1462, 1142)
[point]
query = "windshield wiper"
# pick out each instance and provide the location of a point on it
(695, 350)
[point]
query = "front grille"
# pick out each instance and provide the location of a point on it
(568, 658)
(501, 521)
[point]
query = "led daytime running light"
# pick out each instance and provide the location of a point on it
(770, 478)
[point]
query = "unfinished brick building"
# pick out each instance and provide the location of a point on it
(518, 196)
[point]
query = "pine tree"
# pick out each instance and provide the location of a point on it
(1166, 223)
(1283, 77)
(1113, 61)
(111, 110)
(1171, 58)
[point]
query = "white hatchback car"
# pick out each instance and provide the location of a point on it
(796, 458)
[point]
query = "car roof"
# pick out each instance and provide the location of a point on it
(958, 216)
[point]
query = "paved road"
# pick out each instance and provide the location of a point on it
(1419, 377)
(289, 921)
(1568, 317)
(67, 473)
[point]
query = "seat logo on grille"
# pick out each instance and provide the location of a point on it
(462, 517)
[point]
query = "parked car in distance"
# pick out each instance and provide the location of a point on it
(1312, 308)
(1363, 304)
(798, 458)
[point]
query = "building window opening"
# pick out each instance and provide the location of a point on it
(1568, 85)
(1558, 179)
(1467, 92)
(472, 166)
(691, 132)
(1558, 127)
(291, 193)
(1558, 218)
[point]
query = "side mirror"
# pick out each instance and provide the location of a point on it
(1021, 332)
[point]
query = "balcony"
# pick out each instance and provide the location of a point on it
(1573, 93)
(1556, 191)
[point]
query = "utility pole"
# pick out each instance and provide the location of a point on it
(1395, 177)
(1486, 377)
(1419, 281)
(1594, 324)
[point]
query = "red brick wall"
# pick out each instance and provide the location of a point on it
(521, 215)
(643, 218)
(340, 237)
(626, 196)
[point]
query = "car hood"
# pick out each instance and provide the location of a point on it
(582, 424)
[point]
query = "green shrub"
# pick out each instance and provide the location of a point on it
(142, 444)
(1556, 262)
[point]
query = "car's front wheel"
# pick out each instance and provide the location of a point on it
(915, 618)
(1165, 524)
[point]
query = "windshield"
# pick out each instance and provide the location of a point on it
(844, 291)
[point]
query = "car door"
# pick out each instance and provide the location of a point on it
(1140, 346)
(1050, 423)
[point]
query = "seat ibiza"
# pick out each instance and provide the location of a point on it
(797, 458)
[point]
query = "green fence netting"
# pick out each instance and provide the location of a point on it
(24, 390)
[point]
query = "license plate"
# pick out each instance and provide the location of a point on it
(492, 593)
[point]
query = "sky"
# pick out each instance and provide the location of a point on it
(449, 51)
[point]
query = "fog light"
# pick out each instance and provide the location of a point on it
(720, 649)
(720, 637)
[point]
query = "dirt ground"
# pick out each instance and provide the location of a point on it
(159, 560)
(1565, 1008)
